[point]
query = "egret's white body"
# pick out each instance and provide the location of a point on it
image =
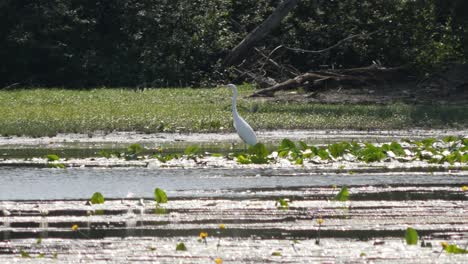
(244, 130)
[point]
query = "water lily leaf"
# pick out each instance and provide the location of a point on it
(411, 236)
(338, 149)
(371, 153)
(449, 139)
(323, 154)
(287, 144)
(134, 149)
(258, 160)
(52, 157)
(160, 210)
(397, 149)
(454, 249)
(56, 165)
(181, 247)
(282, 203)
(299, 161)
(303, 145)
(259, 150)
(24, 254)
(343, 195)
(428, 142)
(160, 196)
(192, 150)
(243, 159)
(97, 198)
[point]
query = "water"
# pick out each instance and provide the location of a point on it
(81, 183)
(368, 228)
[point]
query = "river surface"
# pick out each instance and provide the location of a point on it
(81, 183)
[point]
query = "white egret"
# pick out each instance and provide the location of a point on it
(244, 130)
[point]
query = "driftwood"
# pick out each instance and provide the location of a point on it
(346, 78)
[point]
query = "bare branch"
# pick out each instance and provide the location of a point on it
(361, 35)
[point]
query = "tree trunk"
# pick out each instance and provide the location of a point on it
(240, 51)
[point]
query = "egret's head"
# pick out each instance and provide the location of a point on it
(232, 86)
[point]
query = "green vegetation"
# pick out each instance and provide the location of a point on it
(454, 249)
(411, 236)
(52, 157)
(160, 196)
(42, 112)
(451, 150)
(181, 247)
(343, 195)
(282, 204)
(97, 198)
(170, 43)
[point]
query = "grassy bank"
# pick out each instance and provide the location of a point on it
(41, 112)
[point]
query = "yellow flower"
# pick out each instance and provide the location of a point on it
(444, 244)
(218, 261)
(464, 188)
(320, 221)
(222, 226)
(74, 227)
(203, 235)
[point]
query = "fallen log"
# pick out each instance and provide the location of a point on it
(320, 80)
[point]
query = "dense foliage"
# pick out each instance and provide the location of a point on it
(181, 43)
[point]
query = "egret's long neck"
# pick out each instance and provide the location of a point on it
(234, 100)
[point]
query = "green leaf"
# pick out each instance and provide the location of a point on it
(411, 236)
(56, 165)
(109, 154)
(343, 195)
(449, 139)
(428, 142)
(192, 150)
(338, 149)
(52, 157)
(454, 249)
(299, 161)
(323, 154)
(24, 254)
(160, 196)
(134, 149)
(97, 198)
(282, 203)
(303, 145)
(181, 247)
(258, 160)
(259, 150)
(371, 153)
(397, 149)
(465, 141)
(243, 159)
(287, 144)
(160, 210)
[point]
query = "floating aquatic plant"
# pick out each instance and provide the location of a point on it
(411, 236)
(97, 198)
(181, 247)
(160, 196)
(452, 248)
(52, 157)
(282, 204)
(343, 195)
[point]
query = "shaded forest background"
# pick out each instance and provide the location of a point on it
(162, 43)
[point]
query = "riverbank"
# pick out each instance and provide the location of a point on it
(48, 112)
